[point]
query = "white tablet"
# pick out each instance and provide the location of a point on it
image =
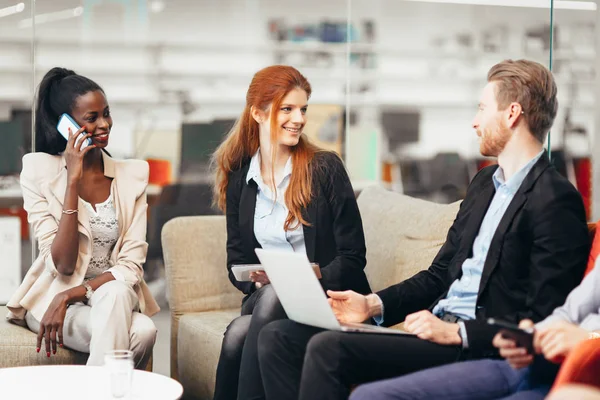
(242, 271)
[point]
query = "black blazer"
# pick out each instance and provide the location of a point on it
(537, 256)
(335, 238)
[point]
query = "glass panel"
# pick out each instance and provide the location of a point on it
(313, 40)
(574, 64)
(16, 88)
(176, 74)
(415, 92)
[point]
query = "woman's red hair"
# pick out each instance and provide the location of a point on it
(269, 87)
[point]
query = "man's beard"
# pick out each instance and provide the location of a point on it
(492, 144)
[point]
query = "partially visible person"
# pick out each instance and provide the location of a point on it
(86, 289)
(517, 247)
(522, 376)
(280, 192)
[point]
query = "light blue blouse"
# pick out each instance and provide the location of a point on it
(270, 215)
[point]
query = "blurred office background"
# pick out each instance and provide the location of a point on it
(395, 87)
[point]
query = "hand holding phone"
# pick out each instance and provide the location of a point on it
(522, 337)
(65, 123)
(78, 145)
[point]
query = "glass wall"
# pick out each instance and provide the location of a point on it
(176, 73)
(575, 60)
(429, 62)
(395, 83)
(16, 86)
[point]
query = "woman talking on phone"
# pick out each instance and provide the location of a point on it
(86, 290)
(280, 192)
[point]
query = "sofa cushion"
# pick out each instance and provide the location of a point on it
(403, 234)
(198, 347)
(17, 348)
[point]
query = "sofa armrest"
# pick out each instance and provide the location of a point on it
(581, 366)
(195, 257)
(195, 264)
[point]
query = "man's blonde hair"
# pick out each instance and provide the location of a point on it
(532, 86)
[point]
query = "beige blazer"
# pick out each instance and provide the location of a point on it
(44, 183)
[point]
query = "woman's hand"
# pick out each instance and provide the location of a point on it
(74, 156)
(51, 325)
(260, 278)
(558, 340)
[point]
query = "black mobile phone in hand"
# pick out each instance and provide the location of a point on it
(522, 337)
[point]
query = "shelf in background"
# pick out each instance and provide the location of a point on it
(307, 46)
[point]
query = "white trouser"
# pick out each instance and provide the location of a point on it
(107, 323)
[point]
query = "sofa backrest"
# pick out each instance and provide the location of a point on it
(195, 264)
(403, 234)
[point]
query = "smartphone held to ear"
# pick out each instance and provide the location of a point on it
(64, 123)
(522, 337)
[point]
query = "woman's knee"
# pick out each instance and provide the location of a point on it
(143, 332)
(268, 305)
(267, 295)
(235, 336)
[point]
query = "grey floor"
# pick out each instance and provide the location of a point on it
(162, 347)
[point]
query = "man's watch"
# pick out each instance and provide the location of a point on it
(88, 290)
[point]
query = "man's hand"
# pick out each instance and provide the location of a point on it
(556, 341)
(349, 306)
(517, 357)
(429, 327)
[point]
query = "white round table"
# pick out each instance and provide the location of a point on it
(81, 382)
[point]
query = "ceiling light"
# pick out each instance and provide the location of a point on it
(52, 17)
(157, 6)
(563, 5)
(17, 8)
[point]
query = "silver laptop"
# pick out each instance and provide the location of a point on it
(302, 296)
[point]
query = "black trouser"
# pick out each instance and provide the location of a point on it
(238, 373)
(299, 361)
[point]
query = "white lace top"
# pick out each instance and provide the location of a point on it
(105, 233)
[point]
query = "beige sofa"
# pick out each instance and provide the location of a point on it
(403, 235)
(17, 348)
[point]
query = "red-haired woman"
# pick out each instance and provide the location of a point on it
(281, 192)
